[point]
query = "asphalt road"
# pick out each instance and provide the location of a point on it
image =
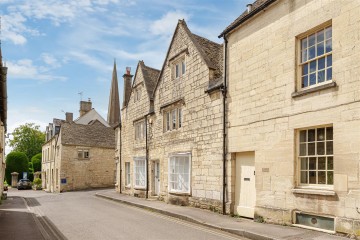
(81, 215)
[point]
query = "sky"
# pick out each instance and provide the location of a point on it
(55, 49)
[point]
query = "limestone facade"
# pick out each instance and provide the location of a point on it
(181, 143)
(273, 111)
(78, 156)
(3, 119)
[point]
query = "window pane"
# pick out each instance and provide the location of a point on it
(313, 66)
(312, 163)
(303, 136)
(312, 177)
(312, 40)
(177, 71)
(303, 178)
(320, 49)
(328, 32)
(311, 135)
(321, 163)
(183, 67)
(321, 177)
(329, 61)
(330, 177)
(180, 120)
(329, 147)
(328, 45)
(305, 69)
(320, 36)
(321, 63)
(312, 53)
(330, 163)
(305, 80)
(304, 43)
(304, 55)
(320, 148)
(303, 149)
(304, 164)
(321, 76)
(329, 133)
(312, 79)
(329, 74)
(320, 134)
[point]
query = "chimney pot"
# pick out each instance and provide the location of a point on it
(249, 7)
(128, 70)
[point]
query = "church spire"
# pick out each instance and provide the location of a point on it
(113, 117)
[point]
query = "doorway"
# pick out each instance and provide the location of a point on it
(245, 191)
(156, 178)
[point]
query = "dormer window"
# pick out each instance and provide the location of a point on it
(137, 94)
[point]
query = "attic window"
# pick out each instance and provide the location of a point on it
(137, 94)
(179, 68)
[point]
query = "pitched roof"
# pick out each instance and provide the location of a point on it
(91, 116)
(210, 52)
(150, 77)
(94, 134)
(257, 6)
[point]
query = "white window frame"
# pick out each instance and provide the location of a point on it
(303, 156)
(140, 130)
(140, 177)
(309, 67)
(172, 119)
(127, 174)
(179, 68)
(173, 175)
(83, 154)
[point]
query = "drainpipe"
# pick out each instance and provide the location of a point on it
(147, 158)
(120, 158)
(224, 92)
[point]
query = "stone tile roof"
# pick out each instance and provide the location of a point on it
(257, 6)
(94, 135)
(150, 77)
(212, 51)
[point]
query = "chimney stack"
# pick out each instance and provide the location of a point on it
(69, 117)
(85, 106)
(127, 85)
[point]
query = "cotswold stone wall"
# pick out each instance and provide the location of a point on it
(201, 133)
(135, 111)
(95, 172)
(264, 116)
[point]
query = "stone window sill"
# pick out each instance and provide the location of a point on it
(180, 193)
(322, 192)
(314, 89)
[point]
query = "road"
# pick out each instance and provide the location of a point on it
(81, 215)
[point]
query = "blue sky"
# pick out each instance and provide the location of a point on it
(55, 49)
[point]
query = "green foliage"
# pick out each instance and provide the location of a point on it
(16, 162)
(36, 162)
(37, 181)
(27, 139)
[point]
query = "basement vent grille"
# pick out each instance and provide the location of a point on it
(313, 221)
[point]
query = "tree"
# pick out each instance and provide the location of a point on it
(16, 162)
(27, 139)
(36, 162)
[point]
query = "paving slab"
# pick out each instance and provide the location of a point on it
(239, 226)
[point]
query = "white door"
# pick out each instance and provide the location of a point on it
(157, 178)
(245, 192)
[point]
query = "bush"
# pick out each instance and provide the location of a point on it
(16, 162)
(37, 181)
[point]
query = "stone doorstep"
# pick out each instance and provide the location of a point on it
(238, 232)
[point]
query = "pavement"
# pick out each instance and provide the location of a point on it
(19, 221)
(239, 226)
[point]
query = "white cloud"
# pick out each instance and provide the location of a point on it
(90, 61)
(50, 60)
(166, 25)
(25, 69)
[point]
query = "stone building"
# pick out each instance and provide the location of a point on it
(170, 138)
(294, 113)
(78, 154)
(3, 119)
